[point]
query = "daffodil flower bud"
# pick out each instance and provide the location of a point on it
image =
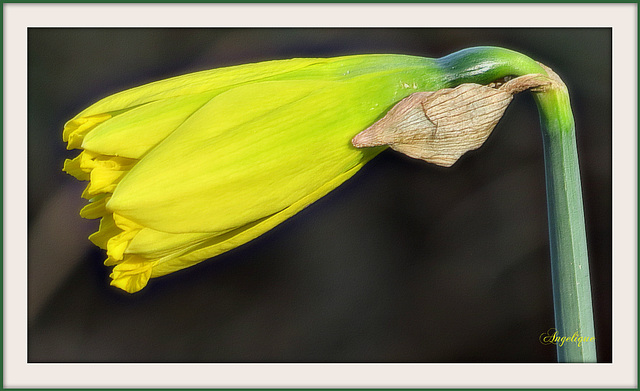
(187, 168)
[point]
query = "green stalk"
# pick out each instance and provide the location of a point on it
(569, 261)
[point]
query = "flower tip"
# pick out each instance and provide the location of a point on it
(76, 129)
(73, 168)
(128, 284)
(131, 277)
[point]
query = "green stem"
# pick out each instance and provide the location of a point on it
(569, 262)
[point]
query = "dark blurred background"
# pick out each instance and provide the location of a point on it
(406, 262)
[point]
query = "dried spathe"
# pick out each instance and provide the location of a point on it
(440, 126)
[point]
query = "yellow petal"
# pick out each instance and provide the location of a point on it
(233, 239)
(105, 172)
(153, 244)
(95, 208)
(132, 274)
(75, 130)
(196, 83)
(72, 167)
(107, 230)
(134, 132)
(111, 262)
(117, 245)
(250, 152)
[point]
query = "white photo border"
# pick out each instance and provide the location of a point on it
(621, 373)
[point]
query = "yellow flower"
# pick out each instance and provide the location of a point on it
(187, 168)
